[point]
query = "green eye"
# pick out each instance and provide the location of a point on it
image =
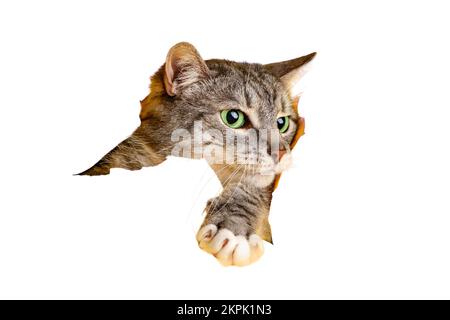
(233, 118)
(283, 124)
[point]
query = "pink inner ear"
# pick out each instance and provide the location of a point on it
(169, 72)
(182, 56)
(172, 60)
(169, 75)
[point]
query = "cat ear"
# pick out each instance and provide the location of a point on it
(184, 66)
(291, 71)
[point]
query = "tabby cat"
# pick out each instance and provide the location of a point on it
(249, 113)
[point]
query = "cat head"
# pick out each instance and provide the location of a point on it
(225, 111)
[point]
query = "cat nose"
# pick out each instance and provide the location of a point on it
(281, 153)
(276, 156)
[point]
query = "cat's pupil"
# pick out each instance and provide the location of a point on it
(232, 116)
(280, 122)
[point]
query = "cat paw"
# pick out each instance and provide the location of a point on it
(228, 248)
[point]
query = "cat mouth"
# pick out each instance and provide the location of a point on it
(272, 167)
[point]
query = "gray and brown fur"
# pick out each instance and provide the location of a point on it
(186, 89)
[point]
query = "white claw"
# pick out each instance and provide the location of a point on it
(228, 248)
(225, 255)
(206, 233)
(221, 238)
(256, 247)
(241, 255)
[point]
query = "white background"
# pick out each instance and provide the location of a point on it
(363, 214)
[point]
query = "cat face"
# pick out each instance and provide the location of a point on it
(226, 112)
(244, 111)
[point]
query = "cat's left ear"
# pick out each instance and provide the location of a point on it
(184, 66)
(291, 71)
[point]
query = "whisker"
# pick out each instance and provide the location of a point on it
(195, 202)
(225, 184)
(234, 191)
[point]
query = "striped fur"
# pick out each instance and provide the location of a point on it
(187, 89)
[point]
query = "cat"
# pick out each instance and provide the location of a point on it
(238, 100)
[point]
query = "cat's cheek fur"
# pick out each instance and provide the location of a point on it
(228, 248)
(262, 180)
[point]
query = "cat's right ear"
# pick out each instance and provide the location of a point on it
(184, 66)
